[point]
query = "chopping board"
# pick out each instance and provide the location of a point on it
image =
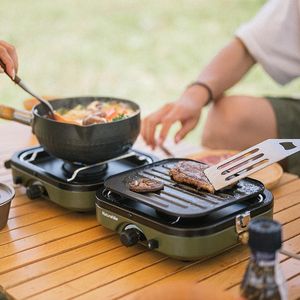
(269, 176)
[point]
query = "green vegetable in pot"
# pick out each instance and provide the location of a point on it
(119, 117)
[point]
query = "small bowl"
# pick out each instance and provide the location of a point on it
(7, 193)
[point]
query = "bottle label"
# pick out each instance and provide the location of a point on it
(264, 258)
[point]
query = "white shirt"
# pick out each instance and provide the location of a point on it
(273, 39)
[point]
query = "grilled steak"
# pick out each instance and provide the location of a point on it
(145, 185)
(192, 173)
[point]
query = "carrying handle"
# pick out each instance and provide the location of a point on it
(12, 114)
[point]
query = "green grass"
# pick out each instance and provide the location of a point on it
(147, 51)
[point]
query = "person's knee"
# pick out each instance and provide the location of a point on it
(222, 122)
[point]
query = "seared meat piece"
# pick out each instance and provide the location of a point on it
(192, 173)
(93, 119)
(145, 185)
(101, 114)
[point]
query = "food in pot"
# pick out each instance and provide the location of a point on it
(145, 185)
(93, 119)
(97, 112)
(192, 173)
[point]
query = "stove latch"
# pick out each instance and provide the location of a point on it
(7, 164)
(241, 226)
(35, 191)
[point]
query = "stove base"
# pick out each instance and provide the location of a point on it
(81, 201)
(178, 247)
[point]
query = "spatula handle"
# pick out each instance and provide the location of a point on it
(278, 149)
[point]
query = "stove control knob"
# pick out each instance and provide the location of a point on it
(18, 180)
(152, 244)
(35, 191)
(130, 237)
(7, 164)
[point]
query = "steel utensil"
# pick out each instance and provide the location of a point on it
(250, 160)
(166, 151)
(25, 87)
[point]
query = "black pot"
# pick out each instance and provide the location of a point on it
(85, 144)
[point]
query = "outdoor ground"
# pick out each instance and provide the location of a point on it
(146, 51)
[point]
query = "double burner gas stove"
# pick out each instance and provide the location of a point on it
(180, 221)
(70, 185)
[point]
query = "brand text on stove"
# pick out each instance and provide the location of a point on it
(105, 214)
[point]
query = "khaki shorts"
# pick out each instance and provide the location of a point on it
(287, 111)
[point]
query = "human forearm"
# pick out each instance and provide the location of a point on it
(227, 67)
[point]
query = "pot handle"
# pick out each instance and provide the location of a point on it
(17, 115)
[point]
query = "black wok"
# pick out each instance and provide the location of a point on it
(75, 143)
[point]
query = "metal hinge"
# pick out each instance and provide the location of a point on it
(241, 226)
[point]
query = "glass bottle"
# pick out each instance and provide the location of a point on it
(263, 279)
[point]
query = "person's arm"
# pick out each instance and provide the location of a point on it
(227, 67)
(225, 70)
(8, 56)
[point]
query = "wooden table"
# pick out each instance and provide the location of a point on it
(47, 252)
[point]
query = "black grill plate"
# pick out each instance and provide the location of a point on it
(180, 199)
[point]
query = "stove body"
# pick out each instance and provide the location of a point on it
(180, 221)
(46, 176)
(180, 238)
(188, 237)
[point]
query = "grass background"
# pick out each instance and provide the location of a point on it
(146, 51)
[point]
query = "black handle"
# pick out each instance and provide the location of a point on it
(17, 78)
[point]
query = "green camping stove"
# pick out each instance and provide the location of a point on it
(179, 221)
(69, 185)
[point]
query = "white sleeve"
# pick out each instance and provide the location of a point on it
(273, 39)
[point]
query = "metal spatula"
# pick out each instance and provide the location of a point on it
(250, 160)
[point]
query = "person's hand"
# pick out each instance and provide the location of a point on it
(8, 56)
(186, 110)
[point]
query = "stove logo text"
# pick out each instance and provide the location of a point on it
(105, 214)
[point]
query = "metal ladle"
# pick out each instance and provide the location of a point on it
(50, 111)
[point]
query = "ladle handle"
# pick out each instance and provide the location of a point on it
(12, 114)
(22, 84)
(17, 79)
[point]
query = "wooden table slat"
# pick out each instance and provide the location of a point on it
(43, 228)
(34, 217)
(52, 248)
(75, 271)
(59, 261)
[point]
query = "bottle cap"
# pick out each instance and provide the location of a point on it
(264, 235)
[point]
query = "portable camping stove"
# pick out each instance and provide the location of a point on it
(70, 185)
(180, 221)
